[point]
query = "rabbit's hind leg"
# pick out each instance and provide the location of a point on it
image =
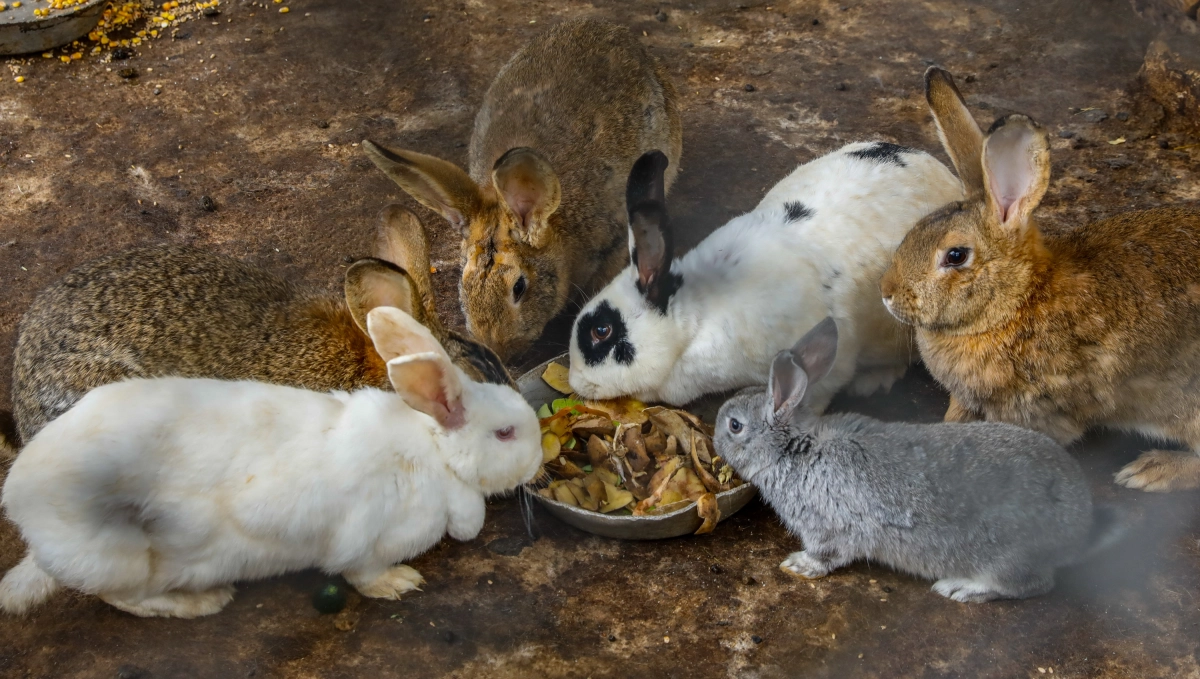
(987, 587)
(1160, 471)
(174, 604)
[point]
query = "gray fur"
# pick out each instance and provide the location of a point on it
(988, 510)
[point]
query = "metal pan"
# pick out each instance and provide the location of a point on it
(21, 32)
(680, 522)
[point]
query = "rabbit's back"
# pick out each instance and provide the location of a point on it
(177, 311)
(588, 96)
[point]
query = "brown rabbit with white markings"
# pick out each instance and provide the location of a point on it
(1096, 326)
(188, 312)
(542, 213)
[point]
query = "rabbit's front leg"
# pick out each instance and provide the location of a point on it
(957, 412)
(812, 564)
(384, 583)
(466, 509)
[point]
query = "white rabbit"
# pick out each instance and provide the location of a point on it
(674, 330)
(157, 494)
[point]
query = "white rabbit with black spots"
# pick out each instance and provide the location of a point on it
(672, 330)
(157, 494)
(988, 510)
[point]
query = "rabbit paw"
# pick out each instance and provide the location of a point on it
(1160, 471)
(395, 581)
(879, 379)
(805, 565)
(176, 604)
(966, 591)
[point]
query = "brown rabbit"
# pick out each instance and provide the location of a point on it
(1099, 326)
(189, 312)
(542, 214)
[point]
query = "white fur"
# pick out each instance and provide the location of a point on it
(758, 283)
(157, 494)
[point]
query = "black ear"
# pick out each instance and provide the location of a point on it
(650, 231)
(806, 362)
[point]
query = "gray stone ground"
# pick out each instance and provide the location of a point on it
(266, 127)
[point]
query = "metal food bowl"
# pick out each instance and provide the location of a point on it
(683, 521)
(21, 32)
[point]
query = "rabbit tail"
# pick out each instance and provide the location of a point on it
(1108, 527)
(25, 586)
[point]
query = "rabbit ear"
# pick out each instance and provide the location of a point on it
(418, 367)
(402, 240)
(808, 361)
(960, 134)
(788, 383)
(435, 183)
(649, 229)
(817, 349)
(372, 283)
(1016, 166)
(530, 191)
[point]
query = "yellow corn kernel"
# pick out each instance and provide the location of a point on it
(104, 40)
(154, 34)
(77, 56)
(283, 10)
(20, 78)
(137, 41)
(65, 59)
(15, 5)
(46, 55)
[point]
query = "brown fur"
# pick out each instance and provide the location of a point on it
(1096, 326)
(558, 132)
(188, 312)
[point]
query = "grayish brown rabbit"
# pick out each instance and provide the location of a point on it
(542, 214)
(189, 312)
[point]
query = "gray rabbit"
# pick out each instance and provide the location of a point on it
(988, 510)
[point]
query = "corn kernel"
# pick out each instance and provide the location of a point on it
(65, 59)
(20, 78)
(46, 55)
(283, 10)
(16, 4)
(77, 56)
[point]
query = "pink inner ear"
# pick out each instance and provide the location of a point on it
(521, 200)
(1011, 174)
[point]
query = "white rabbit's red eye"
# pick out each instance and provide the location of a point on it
(735, 425)
(506, 434)
(601, 333)
(956, 257)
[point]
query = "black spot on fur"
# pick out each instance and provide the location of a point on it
(883, 152)
(797, 211)
(486, 362)
(997, 124)
(617, 342)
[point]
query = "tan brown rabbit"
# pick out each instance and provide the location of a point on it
(542, 214)
(1099, 326)
(190, 312)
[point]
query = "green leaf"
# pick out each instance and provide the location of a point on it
(561, 404)
(544, 411)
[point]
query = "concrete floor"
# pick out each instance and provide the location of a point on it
(265, 121)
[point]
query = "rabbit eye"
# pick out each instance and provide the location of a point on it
(956, 257)
(519, 289)
(601, 332)
(506, 434)
(735, 425)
